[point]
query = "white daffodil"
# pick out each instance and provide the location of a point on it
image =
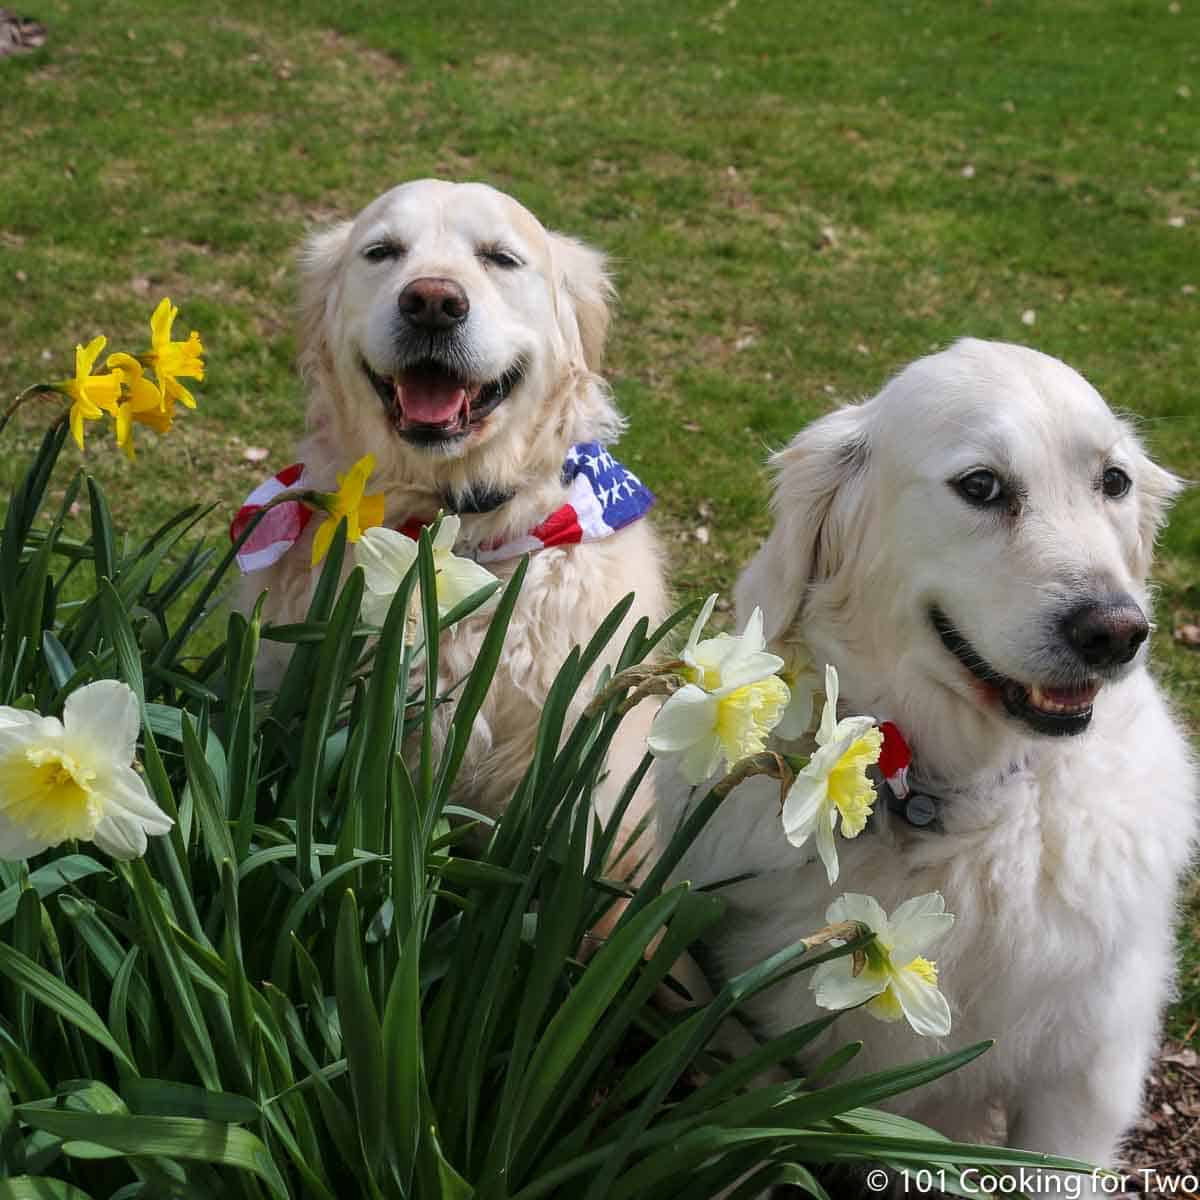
(386, 556)
(896, 981)
(834, 782)
(73, 779)
(803, 683)
(732, 699)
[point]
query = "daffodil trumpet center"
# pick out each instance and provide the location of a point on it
(748, 714)
(49, 792)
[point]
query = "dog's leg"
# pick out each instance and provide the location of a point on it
(1084, 1114)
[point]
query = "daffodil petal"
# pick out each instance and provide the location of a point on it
(835, 986)
(927, 1010)
(698, 625)
(931, 904)
(161, 321)
(853, 906)
(802, 808)
(103, 391)
(917, 925)
(447, 534)
(322, 539)
(827, 844)
(85, 356)
(385, 556)
(700, 761)
(127, 799)
(687, 717)
(747, 667)
(15, 843)
(752, 635)
(375, 606)
(797, 717)
(710, 655)
(16, 734)
(458, 578)
(355, 479)
(173, 388)
(124, 431)
(104, 716)
(829, 712)
(122, 840)
(371, 511)
(17, 717)
(77, 425)
(844, 734)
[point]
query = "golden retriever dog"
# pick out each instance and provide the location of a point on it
(970, 550)
(446, 332)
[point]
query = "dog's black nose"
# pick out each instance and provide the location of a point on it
(1106, 634)
(433, 303)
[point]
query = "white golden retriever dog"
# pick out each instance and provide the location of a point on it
(970, 549)
(446, 332)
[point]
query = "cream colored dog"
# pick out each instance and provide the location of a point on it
(447, 333)
(970, 549)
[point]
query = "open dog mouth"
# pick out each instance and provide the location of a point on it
(429, 402)
(1058, 711)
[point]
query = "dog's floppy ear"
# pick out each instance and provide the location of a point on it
(582, 277)
(1156, 489)
(814, 476)
(320, 260)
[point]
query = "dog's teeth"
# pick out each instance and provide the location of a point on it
(1039, 700)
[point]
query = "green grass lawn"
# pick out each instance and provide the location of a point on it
(798, 198)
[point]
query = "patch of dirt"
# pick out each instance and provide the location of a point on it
(502, 65)
(1166, 1142)
(376, 63)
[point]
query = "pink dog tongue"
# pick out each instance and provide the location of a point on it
(430, 397)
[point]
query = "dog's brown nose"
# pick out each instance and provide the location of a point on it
(434, 303)
(1107, 634)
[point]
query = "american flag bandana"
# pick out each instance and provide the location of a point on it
(602, 497)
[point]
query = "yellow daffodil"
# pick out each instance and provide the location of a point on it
(834, 783)
(73, 779)
(730, 702)
(386, 555)
(91, 395)
(141, 401)
(361, 512)
(896, 979)
(173, 361)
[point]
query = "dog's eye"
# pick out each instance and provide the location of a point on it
(981, 487)
(500, 257)
(382, 251)
(1115, 483)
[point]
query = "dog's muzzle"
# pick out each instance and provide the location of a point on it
(429, 401)
(1056, 709)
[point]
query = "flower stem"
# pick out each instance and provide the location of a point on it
(28, 393)
(767, 763)
(659, 680)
